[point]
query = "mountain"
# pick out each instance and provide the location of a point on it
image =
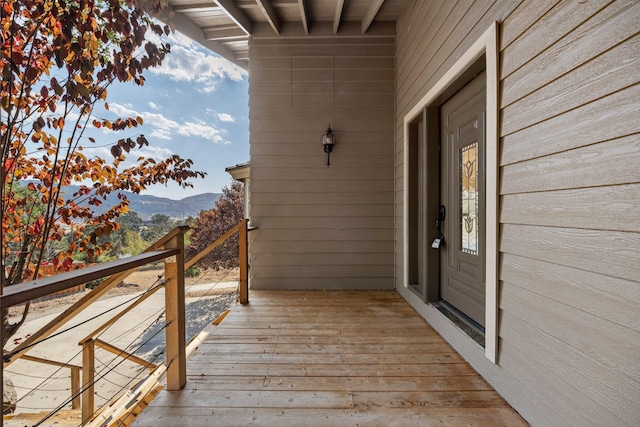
(146, 205)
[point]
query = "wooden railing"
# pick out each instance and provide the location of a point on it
(170, 248)
(243, 257)
(75, 376)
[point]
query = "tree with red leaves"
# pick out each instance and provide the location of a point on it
(57, 61)
(213, 223)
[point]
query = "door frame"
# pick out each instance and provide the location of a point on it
(483, 53)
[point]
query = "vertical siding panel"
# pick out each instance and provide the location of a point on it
(322, 227)
(570, 282)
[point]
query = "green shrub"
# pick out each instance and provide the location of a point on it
(192, 271)
(94, 283)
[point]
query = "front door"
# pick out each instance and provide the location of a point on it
(462, 194)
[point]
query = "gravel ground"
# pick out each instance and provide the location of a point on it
(200, 312)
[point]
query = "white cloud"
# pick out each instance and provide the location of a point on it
(223, 117)
(159, 121)
(156, 153)
(201, 130)
(187, 61)
(123, 110)
(175, 38)
(154, 105)
(72, 117)
(154, 119)
(191, 62)
(160, 134)
(164, 128)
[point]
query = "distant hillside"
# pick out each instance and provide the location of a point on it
(146, 205)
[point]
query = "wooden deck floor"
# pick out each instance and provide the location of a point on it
(328, 359)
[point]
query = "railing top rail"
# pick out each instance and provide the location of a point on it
(89, 298)
(26, 291)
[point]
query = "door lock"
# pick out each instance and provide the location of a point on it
(438, 241)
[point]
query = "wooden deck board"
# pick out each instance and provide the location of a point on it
(314, 417)
(214, 341)
(310, 348)
(328, 358)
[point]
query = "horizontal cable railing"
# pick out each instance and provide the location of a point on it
(170, 248)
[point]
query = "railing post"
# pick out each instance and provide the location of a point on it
(244, 262)
(88, 378)
(175, 315)
(75, 388)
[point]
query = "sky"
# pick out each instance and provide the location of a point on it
(194, 105)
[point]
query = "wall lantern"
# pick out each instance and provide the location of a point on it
(328, 141)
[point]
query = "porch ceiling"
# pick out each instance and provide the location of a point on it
(225, 26)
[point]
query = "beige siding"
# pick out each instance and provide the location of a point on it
(322, 227)
(570, 202)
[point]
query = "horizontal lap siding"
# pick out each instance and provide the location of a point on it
(322, 227)
(569, 196)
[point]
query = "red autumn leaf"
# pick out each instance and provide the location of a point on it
(9, 165)
(62, 35)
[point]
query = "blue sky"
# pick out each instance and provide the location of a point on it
(194, 105)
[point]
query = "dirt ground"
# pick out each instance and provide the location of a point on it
(138, 281)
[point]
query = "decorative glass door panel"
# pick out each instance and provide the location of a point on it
(468, 158)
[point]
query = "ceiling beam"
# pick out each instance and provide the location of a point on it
(224, 33)
(242, 55)
(238, 16)
(201, 7)
(221, 27)
(194, 32)
(338, 16)
(270, 14)
(370, 14)
(303, 14)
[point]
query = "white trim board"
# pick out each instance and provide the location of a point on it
(487, 44)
